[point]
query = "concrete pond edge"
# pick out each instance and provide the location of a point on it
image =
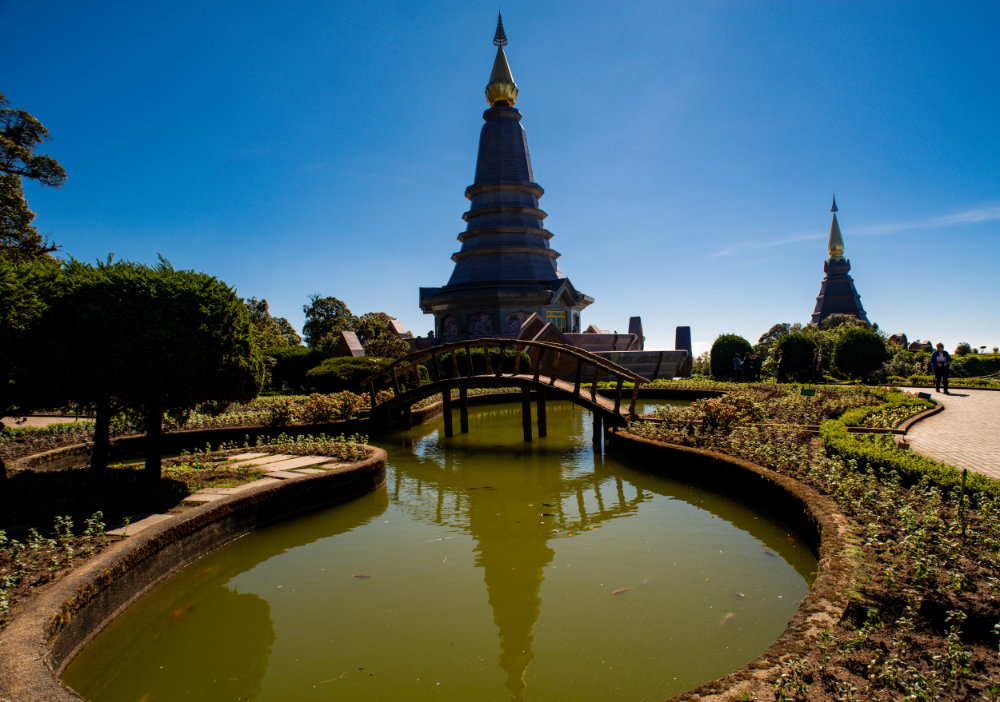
(53, 627)
(815, 516)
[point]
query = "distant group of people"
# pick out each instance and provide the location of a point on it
(746, 367)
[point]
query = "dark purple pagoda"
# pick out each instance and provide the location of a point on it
(506, 269)
(837, 294)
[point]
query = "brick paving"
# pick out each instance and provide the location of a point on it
(965, 434)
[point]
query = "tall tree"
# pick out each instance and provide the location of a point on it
(20, 133)
(25, 290)
(269, 332)
(151, 339)
(324, 317)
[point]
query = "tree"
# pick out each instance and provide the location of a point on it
(269, 332)
(797, 353)
(964, 348)
(152, 340)
(859, 352)
(840, 319)
(387, 345)
(371, 325)
(25, 290)
(20, 133)
(325, 316)
(378, 339)
(723, 350)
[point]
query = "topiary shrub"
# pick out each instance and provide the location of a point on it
(338, 374)
(291, 365)
(964, 348)
(797, 350)
(723, 349)
(859, 352)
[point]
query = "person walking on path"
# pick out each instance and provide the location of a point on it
(940, 362)
(781, 367)
(817, 366)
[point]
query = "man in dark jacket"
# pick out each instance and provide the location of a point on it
(940, 361)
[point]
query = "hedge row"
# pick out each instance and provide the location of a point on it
(882, 457)
(857, 416)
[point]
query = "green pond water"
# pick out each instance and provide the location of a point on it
(488, 569)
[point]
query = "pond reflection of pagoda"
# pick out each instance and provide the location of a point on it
(512, 546)
(506, 269)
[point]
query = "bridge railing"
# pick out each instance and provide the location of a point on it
(403, 371)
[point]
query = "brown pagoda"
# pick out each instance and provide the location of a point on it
(837, 294)
(506, 270)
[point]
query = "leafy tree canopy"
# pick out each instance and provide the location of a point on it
(723, 350)
(20, 133)
(859, 352)
(150, 339)
(325, 316)
(269, 332)
(841, 320)
(797, 351)
(370, 325)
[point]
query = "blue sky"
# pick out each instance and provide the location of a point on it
(688, 150)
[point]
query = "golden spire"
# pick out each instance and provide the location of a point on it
(836, 244)
(501, 90)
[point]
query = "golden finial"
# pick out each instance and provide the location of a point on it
(836, 243)
(501, 90)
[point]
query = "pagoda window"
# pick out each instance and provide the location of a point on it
(556, 318)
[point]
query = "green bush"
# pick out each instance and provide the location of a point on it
(798, 350)
(291, 365)
(975, 366)
(347, 373)
(889, 414)
(859, 352)
(723, 349)
(882, 457)
(479, 362)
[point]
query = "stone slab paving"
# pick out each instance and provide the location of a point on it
(270, 463)
(247, 456)
(135, 527)
(295, 462)
(203, 497)
(266, 459)
(965, 434)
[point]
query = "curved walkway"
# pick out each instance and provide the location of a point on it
(966, 434)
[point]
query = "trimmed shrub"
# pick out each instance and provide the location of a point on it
(723, 349)
(291, 365)
(881, 456)
(859, 352)
(798, 350)
(964, 348)
(338, 374)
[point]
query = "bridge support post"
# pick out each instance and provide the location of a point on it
(526, 412)
(449, 429)
(463, 406)
(598, 430)
(540, 406)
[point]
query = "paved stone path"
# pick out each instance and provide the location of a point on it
(965, 434)
(276, 468)
(41, 421)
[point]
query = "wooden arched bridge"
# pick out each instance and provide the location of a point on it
(541, 368)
